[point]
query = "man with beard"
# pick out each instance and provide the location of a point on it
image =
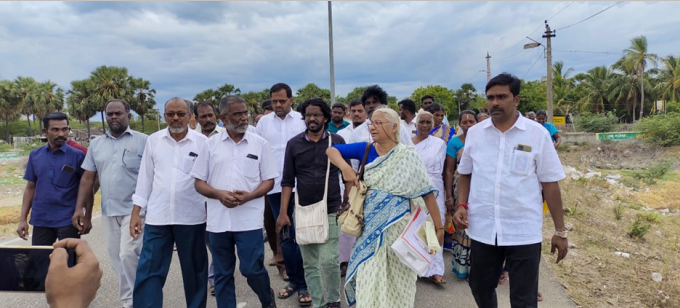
(52, 173)
(207, 121)
(317, 180)
(407, 113)
(337, 118)
(235, 170)
(114, 160)
(175, 211)
(277, 128)
(375, 97)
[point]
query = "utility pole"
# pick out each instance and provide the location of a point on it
(330, 51)
(549, 34)
(488, 67)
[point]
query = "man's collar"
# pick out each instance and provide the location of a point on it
(225, 136)
(519, 123)
(127, 131)
(325, 134)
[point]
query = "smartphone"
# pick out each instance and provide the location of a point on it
(285, 234)
(24, 268)
(67, 168)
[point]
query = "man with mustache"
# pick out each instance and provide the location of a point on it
(234, 170)
(175, 212)
(337, 118)
(277, 128)
(114, 160)
(307, 166)
(53, 174)
(507, 162)
(207, 121)
(375, 97)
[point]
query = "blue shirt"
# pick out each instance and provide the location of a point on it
(334, 129)
(454, 146)
(57, 177)
(552, 130)
(356, 151)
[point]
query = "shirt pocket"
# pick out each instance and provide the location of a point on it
(250, 168)
(186, 164)
(522, 162)
(131, 160)
(65, 179)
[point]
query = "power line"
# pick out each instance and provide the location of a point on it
(532, 31)
(593, 52)
(591, 16)
(532, 66)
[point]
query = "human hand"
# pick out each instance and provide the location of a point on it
(449, 204)
(135, 225)
(243, 196)
(22, 230)
(562, 246)
(282, 221)
(81, 222)
(76, 286)
(350, 175)
(228, 199)
(460, 218)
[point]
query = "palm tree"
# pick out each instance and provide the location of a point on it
(596, 87)
(109, 82)
(10, 102)
(143, 99)
(26, 87)
(46, 100)
(562, 86)
(638, 56)
(79, 103)
(668, 87)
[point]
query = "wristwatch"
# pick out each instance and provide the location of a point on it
(562, 234)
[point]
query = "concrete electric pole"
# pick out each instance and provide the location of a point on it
(488, 67)
(549, 34)
(330, 51)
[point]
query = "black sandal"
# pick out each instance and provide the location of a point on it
(288, 291)
(303, 295)
(333, 305)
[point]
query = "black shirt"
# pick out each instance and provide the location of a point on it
(307, 161)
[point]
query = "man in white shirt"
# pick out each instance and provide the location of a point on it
(373, 98)
(175, 212)
(277, 128)
(235, 170)
(407, 113)
(506, 163)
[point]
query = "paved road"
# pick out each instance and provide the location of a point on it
(454, 294)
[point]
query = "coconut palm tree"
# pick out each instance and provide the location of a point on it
(638, 56)
(668, 87)
(109, 82)
(596, 87)
(79, 103)
(562, 86)
(26, 87)
(10, 104)
(143, 99)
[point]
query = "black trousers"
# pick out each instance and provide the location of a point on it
(522, 264)
(46, 236)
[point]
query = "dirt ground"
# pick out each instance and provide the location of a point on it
(623, 234)
(11, 181)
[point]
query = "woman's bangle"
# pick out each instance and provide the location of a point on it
(449, 199)
(465, 205)
(439, 228)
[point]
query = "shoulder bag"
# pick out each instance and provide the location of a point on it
(311, 221)
(352, 220)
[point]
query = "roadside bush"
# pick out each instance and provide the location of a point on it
(639, 229)
(596, 122)
(655, 172)
(662, 129)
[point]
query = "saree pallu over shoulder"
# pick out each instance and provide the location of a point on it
(393, 180)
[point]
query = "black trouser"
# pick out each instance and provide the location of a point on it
(522, 264)
(47, 236)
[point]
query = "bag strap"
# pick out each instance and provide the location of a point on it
(363, 161)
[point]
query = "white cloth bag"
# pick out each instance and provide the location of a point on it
(311, 221)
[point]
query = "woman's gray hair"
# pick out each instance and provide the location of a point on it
(392, 117)
(422, 113)
(227, 101)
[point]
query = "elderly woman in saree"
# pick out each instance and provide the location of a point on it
(433, 152)
(395, 176)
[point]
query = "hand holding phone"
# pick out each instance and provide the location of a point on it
(75, 286)
(285, 234)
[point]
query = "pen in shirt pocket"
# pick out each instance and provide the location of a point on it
(194, 155)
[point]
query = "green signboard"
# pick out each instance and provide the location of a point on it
(620, 136)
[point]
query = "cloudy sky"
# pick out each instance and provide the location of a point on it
(186, 47)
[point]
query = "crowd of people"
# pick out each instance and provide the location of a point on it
(212, 189)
